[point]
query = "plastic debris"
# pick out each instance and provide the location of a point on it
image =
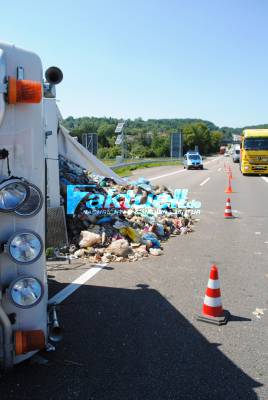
(156, 252)
(89, 239)
(125, 223)
(151, 239)
(130, 233)
(119, 247)
(259, 312)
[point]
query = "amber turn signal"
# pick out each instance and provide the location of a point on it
(29, 341)
(22, 91)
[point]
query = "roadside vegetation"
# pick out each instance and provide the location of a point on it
(150, 138)
(127, 170)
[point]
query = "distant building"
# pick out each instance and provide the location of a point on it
(236, 138)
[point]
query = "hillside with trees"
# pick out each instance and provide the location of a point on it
(151, 138)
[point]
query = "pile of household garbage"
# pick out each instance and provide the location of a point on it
(108, 222)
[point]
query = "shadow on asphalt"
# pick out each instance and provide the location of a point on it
(128, 344)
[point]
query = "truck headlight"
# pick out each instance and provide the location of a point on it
(24, 247)
(13, 193)
(26, 292)
(33, 204)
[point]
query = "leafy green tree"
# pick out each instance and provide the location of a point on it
(103, 152)
(161, 145)
(151, 138)
(216, 137)
(114, 151)
(197, 135)
(138, 150)
(105, 131)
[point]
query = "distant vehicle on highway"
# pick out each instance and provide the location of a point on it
(192, 160)
(236, 153)
(254, 152)
(222, 149)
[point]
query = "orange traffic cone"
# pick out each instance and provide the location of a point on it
(212, 308)
(228, 209)
(229, 188)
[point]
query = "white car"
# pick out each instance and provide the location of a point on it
(236, 154)
(192, 160)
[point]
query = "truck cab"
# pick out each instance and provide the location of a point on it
(254, 152)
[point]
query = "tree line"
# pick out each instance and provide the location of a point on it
(150, 138)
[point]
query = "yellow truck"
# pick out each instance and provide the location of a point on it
(254, 152)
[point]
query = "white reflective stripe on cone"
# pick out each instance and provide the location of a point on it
(213, 284)
(212, 301)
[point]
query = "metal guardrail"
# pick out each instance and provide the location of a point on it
(141, 162)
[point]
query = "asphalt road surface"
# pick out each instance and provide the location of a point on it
(130, 331)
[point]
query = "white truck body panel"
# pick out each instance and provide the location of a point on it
(51, 150)
(74, 151)
(22, 134)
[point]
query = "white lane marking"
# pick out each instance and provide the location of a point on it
(219, 169)
(265, 179)
(177, 172)
(214, 159)
(205, 181)
(257, 233)
(72, 287)
(163, 176)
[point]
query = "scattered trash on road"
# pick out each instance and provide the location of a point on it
(125, 226)
(259, 312)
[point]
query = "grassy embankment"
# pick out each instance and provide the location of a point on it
(127, 170)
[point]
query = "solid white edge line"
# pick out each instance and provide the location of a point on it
(265, 179)
(171, 173)
(177, 172)
(72, 287)
(205, 181)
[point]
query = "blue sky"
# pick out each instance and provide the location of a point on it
(151, 58)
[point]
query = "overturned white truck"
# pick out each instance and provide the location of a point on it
(60, 143)
(31, 140)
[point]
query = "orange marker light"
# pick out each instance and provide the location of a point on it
(22, 91)
(29, 341)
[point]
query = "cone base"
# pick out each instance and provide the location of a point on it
(215, 320)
